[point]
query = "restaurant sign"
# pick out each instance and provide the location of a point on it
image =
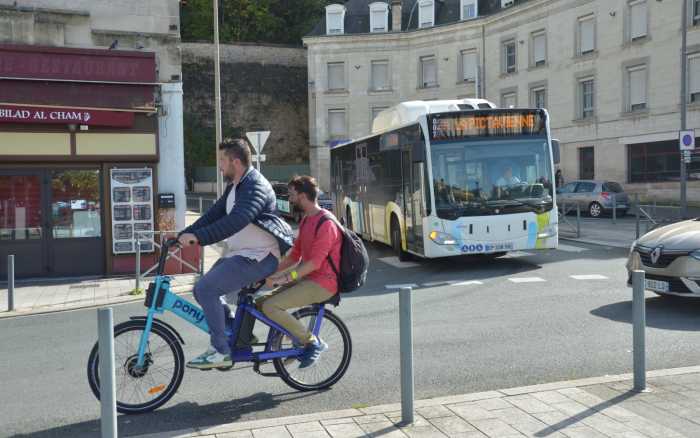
(65, 116)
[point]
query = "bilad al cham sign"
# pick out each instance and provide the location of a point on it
(65, 116)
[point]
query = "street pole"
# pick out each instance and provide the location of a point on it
(684, 105)
(257, 152)
(217, 100)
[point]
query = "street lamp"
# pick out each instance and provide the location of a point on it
(217, 100)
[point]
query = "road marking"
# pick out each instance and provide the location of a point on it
(527, 280)
(589, 277)
(519, 254)
(570, 248)
(399, 286)
(436, 283)
(465, 283)
(395, 262)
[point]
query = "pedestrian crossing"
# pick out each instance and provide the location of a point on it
(515, 280)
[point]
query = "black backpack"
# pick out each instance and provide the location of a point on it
(354, 259)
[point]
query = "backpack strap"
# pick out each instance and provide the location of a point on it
(321, 221)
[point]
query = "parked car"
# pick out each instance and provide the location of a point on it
(670, 258)
(594, 197)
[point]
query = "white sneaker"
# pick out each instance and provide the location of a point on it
(210, 359)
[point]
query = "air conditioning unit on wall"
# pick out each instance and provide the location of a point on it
(507, 3)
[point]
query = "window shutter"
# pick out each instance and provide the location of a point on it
(469, 9)
(426, 14)
(336, 123)
(638, 20)
(509, 100)
(694, 73)
(336, 76)
(334, 22)
(430, 72)
(540, 50)
(469, 66)
(380, 75)
(637, 86)
(587, 35)
(378, 21)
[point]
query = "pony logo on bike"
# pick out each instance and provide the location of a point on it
(189, 310)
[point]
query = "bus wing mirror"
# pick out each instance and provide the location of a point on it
(556, 155)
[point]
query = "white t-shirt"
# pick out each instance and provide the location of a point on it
(252, 241)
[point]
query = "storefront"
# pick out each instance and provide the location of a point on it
(79, 160)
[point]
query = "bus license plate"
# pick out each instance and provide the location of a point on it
(656, 285)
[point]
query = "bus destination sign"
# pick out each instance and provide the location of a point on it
(454, 126)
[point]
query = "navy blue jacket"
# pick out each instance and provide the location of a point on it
(255, 203)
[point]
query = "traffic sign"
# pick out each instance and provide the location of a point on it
(686, 140)
(258, 139)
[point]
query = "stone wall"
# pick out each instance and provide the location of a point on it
(261, 87)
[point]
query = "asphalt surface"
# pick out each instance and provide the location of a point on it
(545, 327)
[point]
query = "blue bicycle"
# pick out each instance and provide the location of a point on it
(150, 363)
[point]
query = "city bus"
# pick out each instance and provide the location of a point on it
(450, 177)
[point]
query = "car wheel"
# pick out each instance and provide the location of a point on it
(595, 209)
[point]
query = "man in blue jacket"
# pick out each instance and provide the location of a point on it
(255, 239)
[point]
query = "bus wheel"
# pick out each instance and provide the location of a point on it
(396, 241)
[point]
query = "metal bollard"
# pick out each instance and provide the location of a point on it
(578, 221)
(138, 264)
(200, 205)
(10, 283)
(108, 394)
(406, 335)
(639, 324)
(636, 213)
(201, 261)
(614, 200)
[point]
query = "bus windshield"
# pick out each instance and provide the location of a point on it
(491, 176)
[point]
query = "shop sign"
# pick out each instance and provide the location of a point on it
(65, 116)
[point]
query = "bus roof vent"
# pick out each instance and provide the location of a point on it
(409, 112)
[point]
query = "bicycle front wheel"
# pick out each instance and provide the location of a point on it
(143, 389)
(332, 364)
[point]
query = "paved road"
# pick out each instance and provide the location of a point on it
(516, 321)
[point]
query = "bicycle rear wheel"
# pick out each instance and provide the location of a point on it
(333, 363)
(141, 390)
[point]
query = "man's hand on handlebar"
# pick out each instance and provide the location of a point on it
(188, 239)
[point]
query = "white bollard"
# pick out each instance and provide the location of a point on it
(406, 335)
(639, 325)
(108, 394)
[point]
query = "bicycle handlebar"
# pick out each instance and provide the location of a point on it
(165, 249)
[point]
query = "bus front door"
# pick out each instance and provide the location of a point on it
(412, 182)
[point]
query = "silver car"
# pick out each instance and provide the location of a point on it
(670, 258)
(594, 197)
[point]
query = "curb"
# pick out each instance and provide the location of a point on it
(393, 407)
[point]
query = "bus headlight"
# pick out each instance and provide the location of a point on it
(442, 238)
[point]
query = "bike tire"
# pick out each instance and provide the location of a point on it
(284, 366)
(170, 340)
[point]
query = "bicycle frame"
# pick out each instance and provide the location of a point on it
(160, 298)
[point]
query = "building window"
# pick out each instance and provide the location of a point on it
(637, 19)
(428, 72)
(658, 161)
(694, 78)
(637, 88)
(696, 12)
(335, 19)
(379, 17)
(470, 9)
(469, 66)
(509, 100)
(586, 163)
(539, 49)
(586, 35)
(336, 124)
(586, 98)
(508, 55)
(380, 75)
(376, 110)
(426, 13)
(336, 76)
(539, 97)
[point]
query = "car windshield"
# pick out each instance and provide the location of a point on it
(491, 177)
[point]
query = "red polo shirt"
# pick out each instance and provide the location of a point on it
(315, 246)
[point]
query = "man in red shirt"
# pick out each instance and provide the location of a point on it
(305, 273)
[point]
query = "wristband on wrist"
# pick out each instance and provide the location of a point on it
(294, 275)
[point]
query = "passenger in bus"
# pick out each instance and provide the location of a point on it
(508, 179)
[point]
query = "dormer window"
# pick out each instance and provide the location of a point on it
(470, 9)
(426, 13)
(378, 17)
(335, 19)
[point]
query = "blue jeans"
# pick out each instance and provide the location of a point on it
(229, 274)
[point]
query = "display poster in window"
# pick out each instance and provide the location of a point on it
(132, 209)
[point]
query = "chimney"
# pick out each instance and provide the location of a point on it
(396, 15)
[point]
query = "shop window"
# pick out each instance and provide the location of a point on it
(586, 163)
(75, 204)
(658, 161)
(20, 207)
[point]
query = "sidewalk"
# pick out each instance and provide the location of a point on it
(588, 408)
(602, 231)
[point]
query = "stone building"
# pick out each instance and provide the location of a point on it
(608, 71)
(90, 133)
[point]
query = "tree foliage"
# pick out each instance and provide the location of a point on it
(265, 21)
